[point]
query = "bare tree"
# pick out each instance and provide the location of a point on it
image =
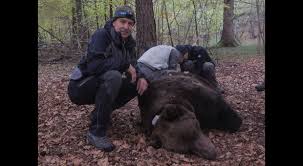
(85, 33)
(158, 27)
(228, 36)
(251, 29)
(96, 13)
(259, 28)
(162, 22)
(105, 10)
(178, 26)
(209, 23)
(77, 31)
(168, 25)
(110, 8)
(196, 23)
(146, 25)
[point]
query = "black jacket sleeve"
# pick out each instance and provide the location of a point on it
(98, 44)
(96, 52)
(200, 55)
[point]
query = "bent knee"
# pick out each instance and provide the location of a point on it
(113, 77)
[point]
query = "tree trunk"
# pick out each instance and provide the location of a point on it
(105, 10)
(85, 30)
(110, 8)
(78, 23)
(228, 36)
(78, 14)
(196, 23)
(158, 27)
(146, 25)
(178, 26)
(96, 13)
(209, 21)
(74, 29)
(162, 22)
(168, 26)
(259, 47)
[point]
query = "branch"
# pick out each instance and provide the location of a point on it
(239, 15)
(52, 34)
(246, 3)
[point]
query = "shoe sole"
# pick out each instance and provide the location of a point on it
(88, 141)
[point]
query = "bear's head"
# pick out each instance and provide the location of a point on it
(228, 119)
(177, 129)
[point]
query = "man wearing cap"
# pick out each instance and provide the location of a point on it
(97, 79)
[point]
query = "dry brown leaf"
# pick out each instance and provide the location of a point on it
(103, 162)
(117, 142)
(62, 125)
(141, 141)
(125, 145)
(77, 161)
(150, 150)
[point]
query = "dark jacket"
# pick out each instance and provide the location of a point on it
(199, 54)
(106, 51)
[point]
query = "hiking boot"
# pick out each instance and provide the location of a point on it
(101, 143)
(260, 87)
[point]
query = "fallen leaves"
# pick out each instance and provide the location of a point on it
(103, 162)
(77, 162)
(62, 126)
(150, 150)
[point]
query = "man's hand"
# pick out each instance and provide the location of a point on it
(141, 86)
(132, 71)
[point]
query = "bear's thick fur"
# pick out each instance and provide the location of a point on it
(185, 103)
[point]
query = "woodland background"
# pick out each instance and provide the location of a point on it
(233, 31)
(66, 25)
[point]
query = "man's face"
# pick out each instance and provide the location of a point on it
(183, 58)
(124, 26)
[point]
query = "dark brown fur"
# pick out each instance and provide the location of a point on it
(186, 103)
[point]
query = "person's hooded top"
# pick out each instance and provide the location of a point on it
(156, 60)
(107, 51)
(157, 57)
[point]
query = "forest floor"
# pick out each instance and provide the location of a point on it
(62, 126)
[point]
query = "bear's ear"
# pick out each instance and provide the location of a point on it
(171, 112)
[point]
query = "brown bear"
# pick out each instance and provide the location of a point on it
(177, 106)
